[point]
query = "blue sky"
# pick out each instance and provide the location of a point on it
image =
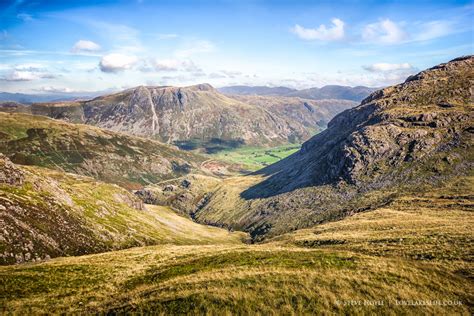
(79, 46)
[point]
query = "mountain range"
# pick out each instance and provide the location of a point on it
(326, 92)
(26, 98)
(198, 116)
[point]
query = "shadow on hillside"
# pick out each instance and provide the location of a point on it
(285, 176)
(211, 146)
(271, 185)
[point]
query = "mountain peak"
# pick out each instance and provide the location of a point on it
(201, 87)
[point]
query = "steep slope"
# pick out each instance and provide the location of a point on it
(413, 256)
(171, 114)
(45, 214)
(87, 150)
(406, 138)
(313, 114)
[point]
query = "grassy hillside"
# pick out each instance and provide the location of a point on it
(46, 214)
(416, 249)
(87, 150)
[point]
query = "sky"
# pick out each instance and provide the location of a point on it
(81, 46)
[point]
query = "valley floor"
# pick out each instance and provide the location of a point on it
(254, 158)
(413, 256)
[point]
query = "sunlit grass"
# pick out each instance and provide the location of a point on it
(254, 158)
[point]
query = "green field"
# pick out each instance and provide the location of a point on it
(254, 158)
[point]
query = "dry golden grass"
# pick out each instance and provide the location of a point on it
(417, 250)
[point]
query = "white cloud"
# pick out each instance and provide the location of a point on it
(381, 67)
(29, 67)
(166, 64)
(124, 38)
(384, 32)
(113, 63)
(322, 33)
(82, 46)
(19, 75)
(231, 73)
(215, 75)
(51, 89)
(389, 32)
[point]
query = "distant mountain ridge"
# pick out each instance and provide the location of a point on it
(26, 98)
(256, 90)
(327, 92)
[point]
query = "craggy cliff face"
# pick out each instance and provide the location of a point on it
(390, 132)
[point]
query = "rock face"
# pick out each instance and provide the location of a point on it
(405, 138)
(14, 107)
(171, 114)
(9, 173)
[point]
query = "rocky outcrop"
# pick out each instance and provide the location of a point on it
(46, 214)
(9, 173)
(14, 107)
